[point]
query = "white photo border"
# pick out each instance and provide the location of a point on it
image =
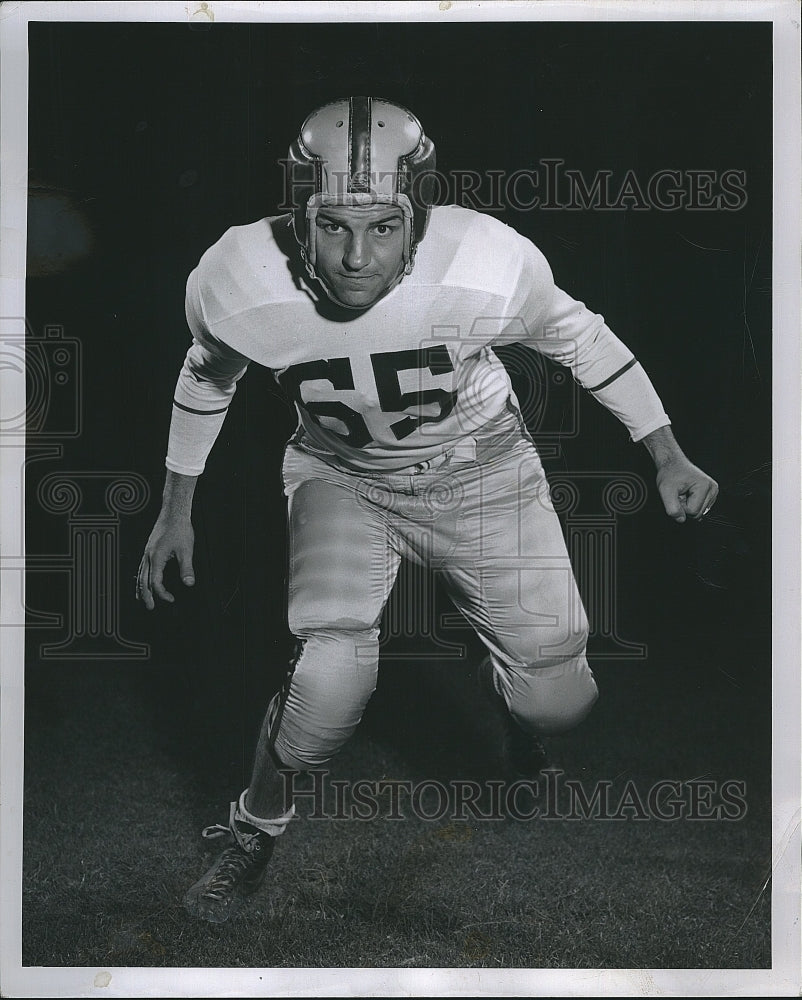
(784, 976)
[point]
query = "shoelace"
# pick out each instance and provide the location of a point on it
(218, 830)
(233, 863)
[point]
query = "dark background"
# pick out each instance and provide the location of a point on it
(159, 137)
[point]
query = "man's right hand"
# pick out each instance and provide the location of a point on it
(172, 537)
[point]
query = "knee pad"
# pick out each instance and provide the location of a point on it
(324, 696)
(551, 700)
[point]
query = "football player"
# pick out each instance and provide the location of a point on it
(379, 315)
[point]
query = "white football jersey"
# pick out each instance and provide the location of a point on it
(405, 380)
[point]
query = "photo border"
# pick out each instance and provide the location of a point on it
(784, 977)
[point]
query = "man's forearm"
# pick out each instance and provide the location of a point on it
(178, 493)
(662, 446)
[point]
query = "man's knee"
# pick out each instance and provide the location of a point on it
(554, 699)
(333, 679)
(301, 744)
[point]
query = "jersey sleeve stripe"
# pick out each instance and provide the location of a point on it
(614, 376)
(204, 413)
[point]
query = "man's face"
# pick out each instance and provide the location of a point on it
(359, 251)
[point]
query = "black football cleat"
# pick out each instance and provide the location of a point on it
(238, 871)
(232, 878)
(524, 755)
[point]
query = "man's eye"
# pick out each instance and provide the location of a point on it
(330, 227)
(384, 229)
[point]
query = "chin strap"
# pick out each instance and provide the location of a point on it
(239, 814)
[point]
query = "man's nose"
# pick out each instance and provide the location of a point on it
(357, 252)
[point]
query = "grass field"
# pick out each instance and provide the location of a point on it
(125, 765)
